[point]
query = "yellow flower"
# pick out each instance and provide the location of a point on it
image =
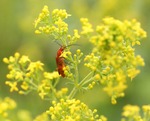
(72, 110)
(43, 15)
(6, 104)
(132, 72)
(59, 13)
(37, 32)
(13, 86)
(18, 75)
(86, 26)
(11, 59)
(146, 110)
(42, 117)
(6, 60)
(130, 110)
(62, 26)
(34, 66)
(76, 34)
(24, 85)
(52, 75)
(24, 59)
(17, 55)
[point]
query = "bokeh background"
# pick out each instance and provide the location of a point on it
(17, 35)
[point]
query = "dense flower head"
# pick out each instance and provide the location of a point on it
(59, 13)
(73, 110)
(113, 56)
(133, 113)
(52, 23)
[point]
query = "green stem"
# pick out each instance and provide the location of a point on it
(72, 93)
(33, 84)
(76, 88)
(84, 80)
(76, 74)
(87, 81)
(53, 90)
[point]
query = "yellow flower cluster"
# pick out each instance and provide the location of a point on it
(132, 113)
(44, 88)
(22, 70)
(62, 14)
(5, 105)
(25, 76)
(52, 24)
(86, 27)
(73, 110)
(72, 70)
(74, 38)
(43, 16)
(47, 86)
(113, 56)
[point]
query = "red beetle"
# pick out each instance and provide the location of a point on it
(60, 61)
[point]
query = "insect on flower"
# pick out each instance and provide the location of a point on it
(60, 61)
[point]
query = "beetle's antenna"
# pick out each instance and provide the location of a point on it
(57, 42)
(65, 46)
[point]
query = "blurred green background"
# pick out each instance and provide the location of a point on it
(17, 34)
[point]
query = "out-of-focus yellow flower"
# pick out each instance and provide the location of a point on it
(42, 117)
(25, 86)
(130, 110)
(5, 105)
(132, 72)
(132, 113)
(146, 111)
(24, 59)
(5, 60)
(86, 27)
(24, 115)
